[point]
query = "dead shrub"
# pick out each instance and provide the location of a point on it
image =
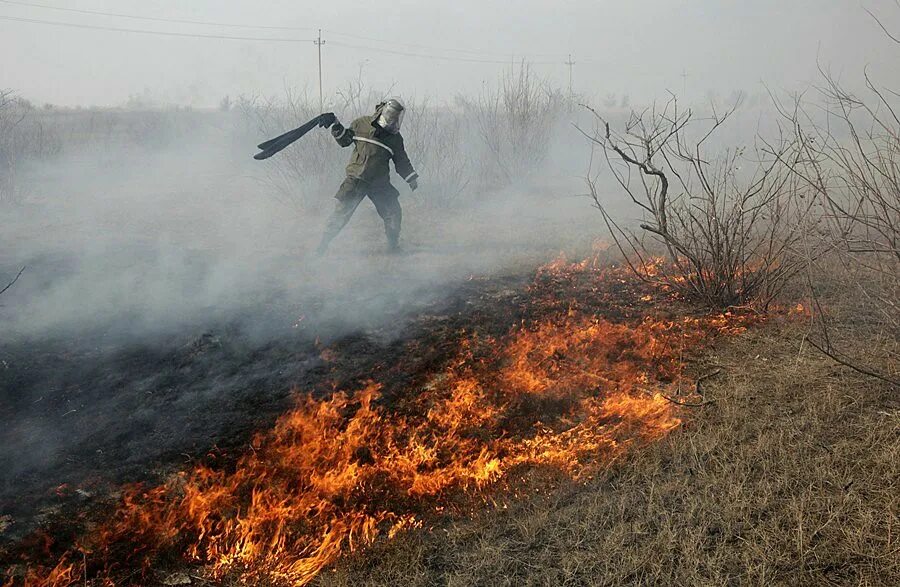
(24, 136)
(852, 166)
(11, 117)
(726, 224)
(299, 175)
(474, 146)
(515, 121)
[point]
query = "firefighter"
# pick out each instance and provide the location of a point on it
(376, 139)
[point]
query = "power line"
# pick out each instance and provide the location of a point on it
(264, 39)
(435, 57)
(433, 48)
(146, 32)
(266, 27)
(154, 19)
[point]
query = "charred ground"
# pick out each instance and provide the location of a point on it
(219, 388)
(86, 413)
(784, 472)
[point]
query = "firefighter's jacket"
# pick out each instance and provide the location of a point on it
(372, 149)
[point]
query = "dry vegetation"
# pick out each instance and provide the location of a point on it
(818, 204)
(788, 469)
(854, 171)
(728, 234)
(11, 117)
(478, 146)
(791, 477)
(474, 147)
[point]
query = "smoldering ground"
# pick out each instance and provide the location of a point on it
(171, 304)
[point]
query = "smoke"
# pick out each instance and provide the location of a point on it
(155, 223)
(171, 298)
(185, 232)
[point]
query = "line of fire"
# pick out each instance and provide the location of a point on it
(570, 294)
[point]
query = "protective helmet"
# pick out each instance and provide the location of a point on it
(390, 115)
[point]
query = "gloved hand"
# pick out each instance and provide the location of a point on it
(414, 184)
(327, 119)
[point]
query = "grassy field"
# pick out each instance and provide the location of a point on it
(786, 471)
(790, 475)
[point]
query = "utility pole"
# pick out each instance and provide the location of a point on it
(570, 63)
(684, 76)
(319, 42)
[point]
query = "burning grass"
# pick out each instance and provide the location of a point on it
(791, 477)
(569, 393)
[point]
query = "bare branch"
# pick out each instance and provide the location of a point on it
(883, 28)
(15, 279)
(726, 242)
(831, 353)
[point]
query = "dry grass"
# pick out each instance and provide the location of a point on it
(792, 476)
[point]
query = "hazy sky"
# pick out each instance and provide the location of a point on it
(640, 48)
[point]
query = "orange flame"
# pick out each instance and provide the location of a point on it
(571, 392)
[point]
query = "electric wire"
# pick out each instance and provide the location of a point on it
(154, 18)
(433, 48)
(434, 57)
(148, 32)
(269, 27)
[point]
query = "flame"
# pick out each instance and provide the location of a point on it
(570, 392)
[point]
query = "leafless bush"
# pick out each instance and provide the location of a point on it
(515, 122)
(474, 146)
(156, 127)
(357, 99)
(863, 195)
(439, 143)
(300, 174)
(854, 171)
(24, 136)
(11, 117)
(728, 234)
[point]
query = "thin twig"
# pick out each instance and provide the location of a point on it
(703, 378)
(697, 391)
(689, 404)
(828, 352)
(15, 279)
